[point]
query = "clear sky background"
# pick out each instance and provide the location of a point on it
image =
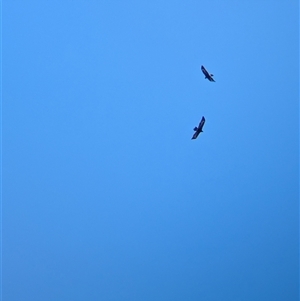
(105, 195)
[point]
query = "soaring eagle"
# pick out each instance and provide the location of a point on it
(207, 74)
(198, 129)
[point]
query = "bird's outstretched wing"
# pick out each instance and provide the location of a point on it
(201, 124)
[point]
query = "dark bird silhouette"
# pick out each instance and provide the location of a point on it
(207, 74)
(198, 129)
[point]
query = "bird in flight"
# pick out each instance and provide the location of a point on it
(207, 74)
(198, 129)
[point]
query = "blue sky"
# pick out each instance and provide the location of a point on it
(105, 195)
